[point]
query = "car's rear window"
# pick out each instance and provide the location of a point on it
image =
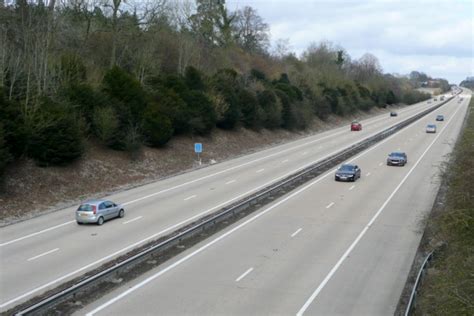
(85, 208)
(397, 154)
(346, 168)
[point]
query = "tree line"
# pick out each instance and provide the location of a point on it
(129, 74)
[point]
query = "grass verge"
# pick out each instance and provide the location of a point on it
(448, 288)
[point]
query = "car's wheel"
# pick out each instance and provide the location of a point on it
(100, 221)
(79, 223)
(121, 213)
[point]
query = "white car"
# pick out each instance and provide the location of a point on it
(431, 128)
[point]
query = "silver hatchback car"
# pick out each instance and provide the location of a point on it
(98, 211)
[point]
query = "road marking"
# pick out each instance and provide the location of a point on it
(260, 170)
(399, 149)
(43, 254)
(133, 219)
(34, 234)
(283, 161)
(352, 187)
(296, 232)
(330, 205)
(219, 238)
(304, 153)
(244, 275)
(380, 163)
(342, 131)
(366, 228)
(368, 174)
(189, 197)
(231, 181)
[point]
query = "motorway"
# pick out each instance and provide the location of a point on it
(43, 252)
(327, 248)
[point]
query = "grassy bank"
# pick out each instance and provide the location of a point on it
(448, 288)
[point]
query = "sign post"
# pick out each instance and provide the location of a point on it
(198, 151)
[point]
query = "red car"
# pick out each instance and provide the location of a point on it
(356, 126)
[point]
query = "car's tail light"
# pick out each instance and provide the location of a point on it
(94, 209)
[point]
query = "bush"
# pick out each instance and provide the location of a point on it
(271, 109)
(288, 119)
(106, 125)
(193, 79)
(85, 99)
(157, 127)
(249, 108)
(123, 87)
(225, 86)
(5, 156)
(202, 113)
(176, 109)
(14, 133)
(55, 136)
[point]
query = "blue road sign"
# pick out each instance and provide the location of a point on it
(198, 148)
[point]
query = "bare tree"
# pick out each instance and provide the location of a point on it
(251, 31)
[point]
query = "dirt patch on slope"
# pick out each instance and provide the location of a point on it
(29, 190)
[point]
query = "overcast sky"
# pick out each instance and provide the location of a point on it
(432, 36)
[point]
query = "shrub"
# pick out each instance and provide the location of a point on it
(5, 156)
(123, 87)
(175, 108)
(202, 113)
(85, 99)
(106, 125)
(55, 136)
(249, 108)
(225, 85)
(157, 127)
(193, 79)
(271, 109)
(14, 132)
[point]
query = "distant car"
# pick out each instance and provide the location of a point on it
(356, 126)
(440, 117)
(98, 211)
(347, 172)
(397, 158)
(435, 99)
(393, 113)
(431, 128)
(429, 101)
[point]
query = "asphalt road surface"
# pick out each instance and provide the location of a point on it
(327, 248)
(43, 252)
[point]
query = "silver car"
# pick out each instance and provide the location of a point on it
(98, 211)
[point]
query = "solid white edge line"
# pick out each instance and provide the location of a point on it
(34, 234)
(192, 254)
(43, 254)
(133, 219)
(296, 232)
(372, 220)
(244, 275)
(370, 121)
(183, 222)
